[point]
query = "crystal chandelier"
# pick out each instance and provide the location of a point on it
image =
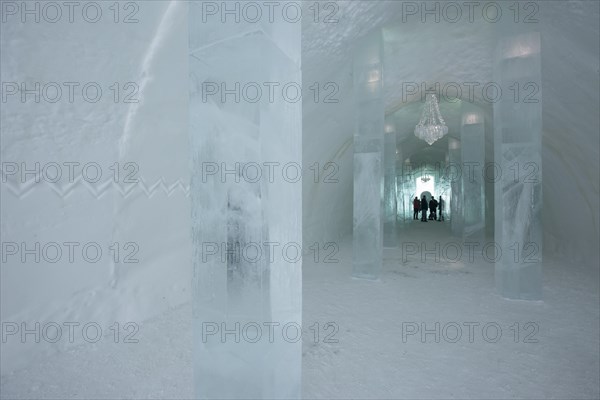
(431, 127)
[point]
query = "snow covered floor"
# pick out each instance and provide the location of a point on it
(372, 361)
(370, 358)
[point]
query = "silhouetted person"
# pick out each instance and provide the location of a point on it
(424, 209)
(416, 208)
(432, 208)
(441, 208)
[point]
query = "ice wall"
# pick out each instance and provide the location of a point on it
(246, 146)
(570, 65)
(136, 212)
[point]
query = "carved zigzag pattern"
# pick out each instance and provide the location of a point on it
(98, 189)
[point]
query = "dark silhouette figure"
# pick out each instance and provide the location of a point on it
(433, 203)
(441, 208)
(416, 208)
(424, 209)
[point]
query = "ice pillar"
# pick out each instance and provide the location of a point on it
(390, 191)
(472, 140)
(405, 183)
(245, 139)
(517, 156)
(443, 190)
(368, 157)
(454, 174)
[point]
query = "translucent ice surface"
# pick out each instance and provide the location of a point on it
(246, 207)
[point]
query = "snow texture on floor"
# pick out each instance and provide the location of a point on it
(555, 356)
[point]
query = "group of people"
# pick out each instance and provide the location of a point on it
(433, 206)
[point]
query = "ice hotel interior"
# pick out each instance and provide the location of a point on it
(300, 199)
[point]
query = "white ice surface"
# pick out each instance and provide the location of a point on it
(84, 132)
(370, 361)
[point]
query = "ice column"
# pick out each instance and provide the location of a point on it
(405, 182)
(368, 157)
(390, 189)
(245, 139)
(443, 189)
(454, 174)
(472, 139)
(517, 155)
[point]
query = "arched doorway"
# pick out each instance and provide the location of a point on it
(427, 195)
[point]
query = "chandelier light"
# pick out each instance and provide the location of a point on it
(431, 127)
